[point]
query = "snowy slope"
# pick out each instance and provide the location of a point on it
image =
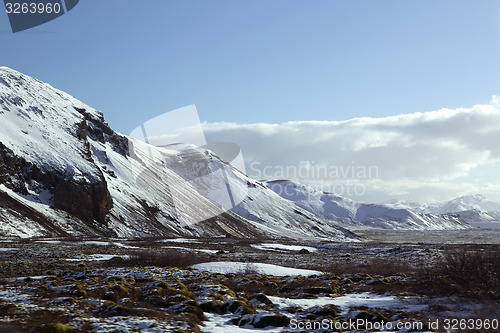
(63, 171)
(417, 207)
(465, 203)
(258, 204)
(355, 214)
(473, 208)
(42, 129)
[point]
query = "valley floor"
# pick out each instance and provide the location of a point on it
(390, 282)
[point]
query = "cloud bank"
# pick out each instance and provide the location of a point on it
(407, 154)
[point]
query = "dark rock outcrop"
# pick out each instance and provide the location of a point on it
(87, 201)
(97, 129)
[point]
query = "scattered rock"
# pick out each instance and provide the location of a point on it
(263, 320)
(238, 307)
(260, 298)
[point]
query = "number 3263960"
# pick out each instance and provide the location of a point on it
(32, 8)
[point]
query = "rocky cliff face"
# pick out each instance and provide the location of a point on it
(88, 201)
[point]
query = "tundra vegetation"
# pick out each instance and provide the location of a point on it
(75, 285)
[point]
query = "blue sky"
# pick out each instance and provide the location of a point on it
(270, 62)
(265, 61)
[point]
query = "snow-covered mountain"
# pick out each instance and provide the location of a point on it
(417, 207)
(473, 208)
(64, 171)
(465, 203)
(359, 215)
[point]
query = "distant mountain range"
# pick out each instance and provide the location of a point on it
(65, 172)
(474, 208)
(358, 215)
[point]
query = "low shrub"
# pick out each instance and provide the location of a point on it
(167, 258)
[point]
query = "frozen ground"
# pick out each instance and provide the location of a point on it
(230, 285)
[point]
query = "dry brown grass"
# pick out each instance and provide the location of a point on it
(373, 266)
(164, 258)
(471, 273)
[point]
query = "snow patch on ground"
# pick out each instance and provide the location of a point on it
(188, 249)
(179, 240)
(345, 302)
(7, 249)
(98, 257)
(219, 324)
(226, 267)
(273, 246)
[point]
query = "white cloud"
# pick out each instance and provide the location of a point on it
(435, 148)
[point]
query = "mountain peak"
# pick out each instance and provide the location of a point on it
(474, 196)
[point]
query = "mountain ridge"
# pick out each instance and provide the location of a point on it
(472, 208)
(360, 215)
(61, 159)
(65, 172)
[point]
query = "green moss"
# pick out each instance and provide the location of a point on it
(42, 287)
(163, 284)
(181, 286)
(79, 291)
(93, 279)
(117, 279)
(122, 289)
(254, 283)
(346, 281)
(111, 309)
(238, 306)
(371, 316)
(361, 276)
(217, 296)
(195, 310)
(389, 280)
(212, 306)
(272, 285)
(226, 291)
(166, 290)
(70, 300)
(58, 328)
(56, 282)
